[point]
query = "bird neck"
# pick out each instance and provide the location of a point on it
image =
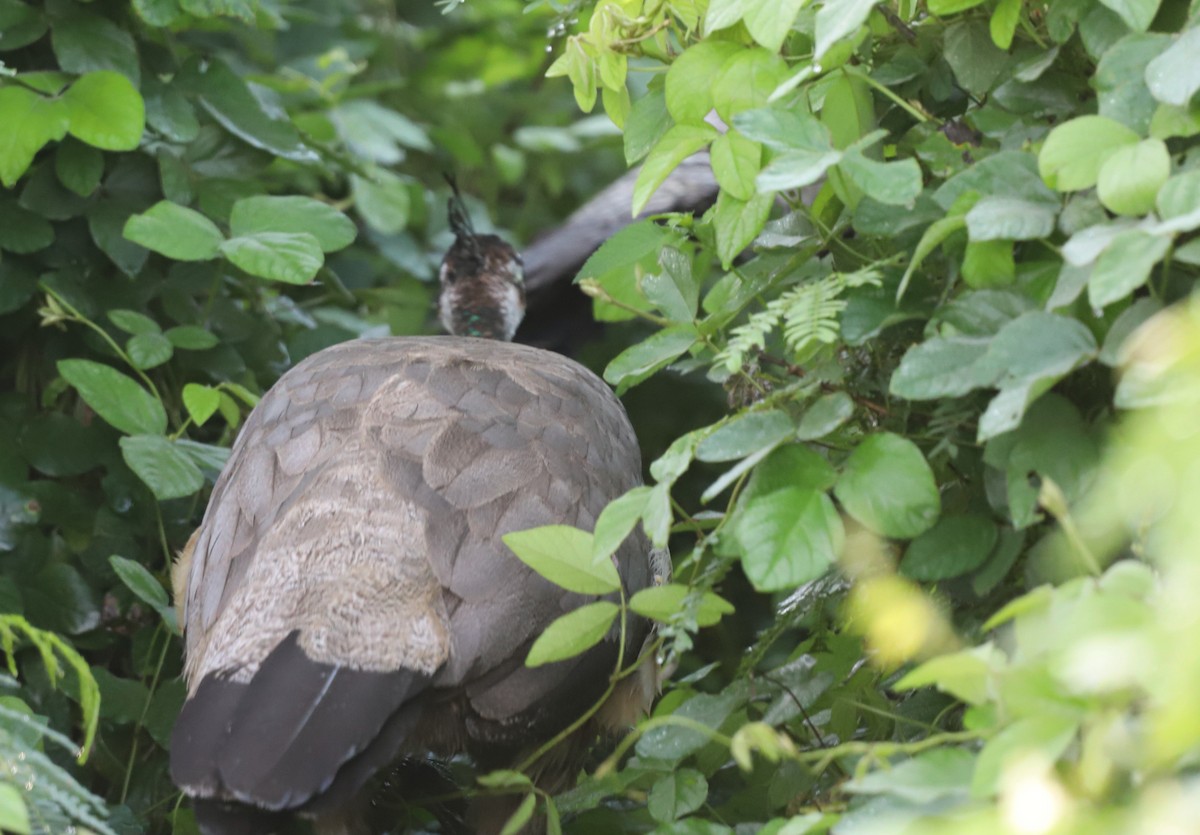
(482, 306)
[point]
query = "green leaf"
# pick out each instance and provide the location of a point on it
(966, 675)
(989, 264)
(573, 634)
(1131, 177)
(1137, 14)
(735, 163)
(383, 201)
(825, 415)
(1124, 266)
(149, 350)
(616, 522)
(888, 486)
(227, 98)
(745, 434)
(949, 7)
(1009, 219)
(564, 556)
(1174, 76)
(662, 603)
(105, 110)
(1046, 735)
(796, 169)
(522, 815)
(975, 60)
(374, 131)
(14, 817)
(674, 290)
(1075, 151)
(141, 582)
(115, 397)
(332, 229)
(690, 78)
(201, 402)
(21, 230)
(290, 257)
(788, 537)
(79, 167)
(84, 42)
(1178, 203)
(838, 18)
(644, 358)
(784, 130)
(1003, 24)
(133, 322)
(30, 121)
(165, 468)
(192, 338)
(648, 120)
(770, 21)
(738, 222)
(926, 778)
(891, 183)
(747, 80)
(677, 144)
(952, 547)
(175, 231)
(677, 794)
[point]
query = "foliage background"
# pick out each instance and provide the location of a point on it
(884, 423)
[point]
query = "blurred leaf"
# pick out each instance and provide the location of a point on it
(573, 633)
(1075, 151)
(888, 486)
(677, 794)
(689, 83)
(954, 546)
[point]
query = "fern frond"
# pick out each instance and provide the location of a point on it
(745, 338)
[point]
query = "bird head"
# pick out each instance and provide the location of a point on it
(482, 280)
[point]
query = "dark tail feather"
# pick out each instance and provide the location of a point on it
(460, 219)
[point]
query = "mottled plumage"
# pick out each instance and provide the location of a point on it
(349, 597)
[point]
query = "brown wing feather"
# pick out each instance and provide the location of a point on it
(364, 504)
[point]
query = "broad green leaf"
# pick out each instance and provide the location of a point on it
(141, 582)
(383, 201)
(941, 367)
(723, 13)
(616, 522)
(84, 42)
(952, 547)
(1037, 345)
(796, 169)
(1170, 121)
(788, 537)
(676, 794)
(1074, 152)
(228, 100)
(1174, 76)
(624, 249)
(377, 132)
(165, 468)
(891, 183)
(21, 230)
(201, 402)
(1003, 24)
(1120, 79)
(79, 167)
(1131, 177)
(573, 634)
(115, 397)
(793, 465)
(133, 322)
(1046, 735)
(838, 18)
(746, 81)
(563, 555)
(505, 779)
(784, 129)
(926, 778)
(745, 434)
(1125, 265)
(1009, 219)
(989, 264)
(976, 61)
(673, 290)
(966, 675)
(887, 485)
(14, 817)
(290, 257)
(689, 83)
(677, 144)
(192, 338)
(1178, 202)
(30, 121)
(770, 21)
(149, 350)
(949, 7)
(332, 229)
(656, 352)
(648, 120)
(735, 163)
(105, 110)
(738, 222)
(661, 603)
(825, 415)
(1137, 14)
(176, 232)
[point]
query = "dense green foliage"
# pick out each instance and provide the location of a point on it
(934, 563)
